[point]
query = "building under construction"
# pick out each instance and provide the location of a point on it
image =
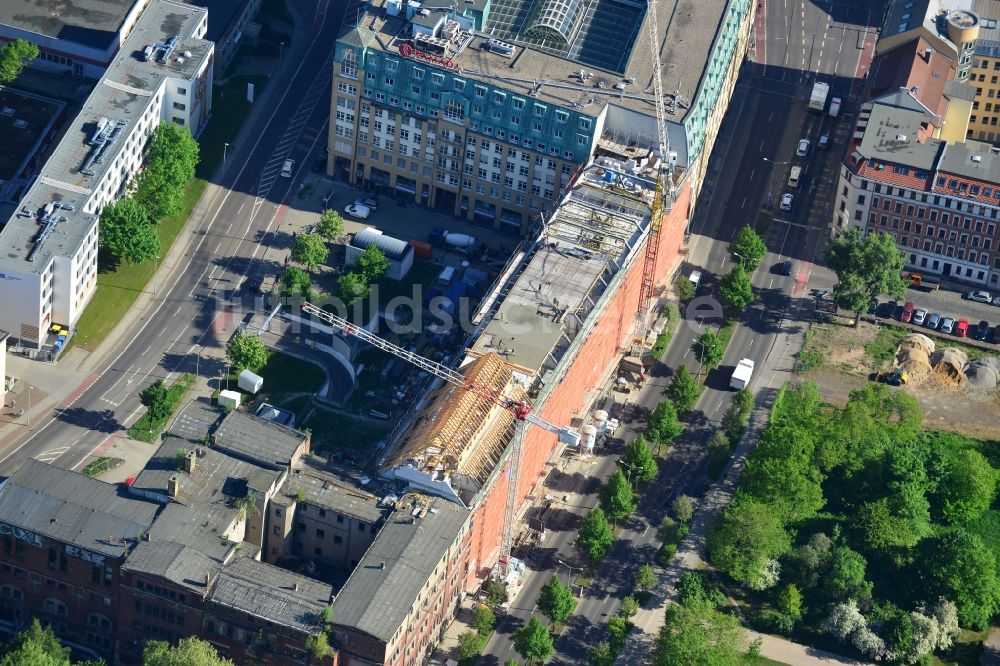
(552, 332)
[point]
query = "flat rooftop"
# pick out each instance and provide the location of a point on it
(24, 119)
(606, 59)
(93, 23)
(972, 159)
(326, 489)
(891, 136)
(259, 440)
(174, 562)
(120, 97)
(70, 507)
(272, 593)
(382, 590)
(587, 238)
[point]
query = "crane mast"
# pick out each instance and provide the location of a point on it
(663, 190)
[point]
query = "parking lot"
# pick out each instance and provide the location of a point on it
(946, 303)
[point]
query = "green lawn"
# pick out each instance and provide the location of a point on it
(99, 466)
(284, 375)
(673, 313)
(229, 109)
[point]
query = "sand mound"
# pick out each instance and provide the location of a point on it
(914, 340)
(913, 357)
(949, 366)
(983, 373)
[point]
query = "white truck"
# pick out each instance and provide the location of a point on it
(834, 107)
(817, 100)
(742, 374)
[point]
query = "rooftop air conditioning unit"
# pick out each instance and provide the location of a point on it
(977, 158)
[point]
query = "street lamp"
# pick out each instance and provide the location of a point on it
(281, 51)
(811, 47)
(560, 562)
(156, 267)
(225, 147)
(27, 414)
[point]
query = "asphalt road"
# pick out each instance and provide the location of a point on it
(190, 317)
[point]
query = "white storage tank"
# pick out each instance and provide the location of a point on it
(589, 438)
(601, 421)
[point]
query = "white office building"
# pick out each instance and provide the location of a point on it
(48, 248)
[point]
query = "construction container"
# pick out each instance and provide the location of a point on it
(229, 399)
(422, 250)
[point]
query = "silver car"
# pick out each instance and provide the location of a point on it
(919, 315)
(933, 321)
(947, 325)
(979, 296)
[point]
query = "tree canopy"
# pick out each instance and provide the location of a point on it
(330, 225)
(187, 652)
(708, 348)
(959, 566)
(14, 57)
(683, 389)
(617, 498)
(170, 164)
(866, 266)
(372, 264)
(639, 461)
(125, 231)
(663, 426)
(748, 248)
(556, 600)
(736, 289)
(246, 351)
(595, 536)
(297, 282)
(746, 540)
(310, 250)
(533, 641)
(35, 646)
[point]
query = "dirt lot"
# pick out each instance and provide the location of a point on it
(840, 359)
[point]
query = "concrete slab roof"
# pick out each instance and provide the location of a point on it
(382, 590)
(892, 136)
(75, 509)
(972, 159)
(124, 92)
(89, 22)
(550, 71)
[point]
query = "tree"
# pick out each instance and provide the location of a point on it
(708, 348)
(692, 590)
(845, 575)
(866, 266)
(781, 471)
(965, 487)
(169, 166)
(510, 662)
(297, 282)
(35, 646)
(156, 399)
(331, 225)
(372, 264)
(187, 652)
(14, 57)
(790, 601)
(125, 232)
(958, 565)
(601, 655)
(844, 619)
(639, 461)
(683, 508)
(880, 529)
(746, 539)
(318, 645)
(310, 250)
(618, 628)
(352, 287)
(485, 620)
(645, 579)
(246, 351)
(556, 600)
(748, 248)
(736, 289)
(699, 635)
(496, 593)
(533, 641)
(595, 536)
(683, 390)
(616, 497)
(685, 288)
(470, 645)
(662, 425)
(629, 607)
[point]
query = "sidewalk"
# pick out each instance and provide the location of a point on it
(57, 386)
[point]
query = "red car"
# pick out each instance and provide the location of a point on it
(907, 315)
(962, 328)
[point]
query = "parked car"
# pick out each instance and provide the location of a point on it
(368, 202)
(982, 331)
(786, 202)
(962, 327)
(919, 316)
(885, 309)
(287, 168)
(933, 321)
(906, 316)
(358, 211)
(803, 148)
(319, 165)
(253, 285)
(978, 296)
(947, 324)
(782, 268)
(891, 376)
(995, 337)
(824, 142)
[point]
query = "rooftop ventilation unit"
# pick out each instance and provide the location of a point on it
(500, 48)
(49, 220)
(977, 158)
(161, 51)
(107, 133)
(428, 44)
(900, 137)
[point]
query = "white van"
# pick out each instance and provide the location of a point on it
(286, 168)
(793, 177)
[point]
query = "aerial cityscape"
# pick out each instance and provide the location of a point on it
(499, 332)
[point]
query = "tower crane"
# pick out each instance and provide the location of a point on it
(520, 409)
(664, 191)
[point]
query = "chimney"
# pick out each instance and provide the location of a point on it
(381, 565)
(295, 586)
(927, 54)
(173, 485)
(190, 460)
(207, 579)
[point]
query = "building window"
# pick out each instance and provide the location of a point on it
(320, 533)
(179, 106)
